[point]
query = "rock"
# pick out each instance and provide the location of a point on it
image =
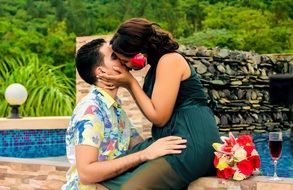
(221, 68)
(229, 71)
(200, 68)
(218, 82)
(224, 53)
(250, 69)
(224, 100)
(212, 69)
(236, 83)
(190, 52)
(215, 94)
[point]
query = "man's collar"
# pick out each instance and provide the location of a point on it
(107, 99)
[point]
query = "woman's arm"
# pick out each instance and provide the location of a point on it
(92, 171)
(159, 108)
(171, 70)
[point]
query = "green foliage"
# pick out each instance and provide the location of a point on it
(248, 29)
(211, 38)
(50, 92)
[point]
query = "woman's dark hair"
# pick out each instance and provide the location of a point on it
(88, 58)
(138, 35)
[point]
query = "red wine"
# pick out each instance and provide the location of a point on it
(275, 149)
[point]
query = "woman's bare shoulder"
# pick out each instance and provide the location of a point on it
(174, 56)
(172, 59)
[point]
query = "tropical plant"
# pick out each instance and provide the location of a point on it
(50, 92)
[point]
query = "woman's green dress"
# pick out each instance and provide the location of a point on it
(193, 120)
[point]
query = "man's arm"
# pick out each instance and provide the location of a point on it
(91, 171)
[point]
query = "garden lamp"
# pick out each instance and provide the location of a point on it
(15, 95)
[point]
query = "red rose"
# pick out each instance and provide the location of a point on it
(139, 61)
(255, 161)
(226, 173)
(244, 140)
(248, 149)
(245, 167)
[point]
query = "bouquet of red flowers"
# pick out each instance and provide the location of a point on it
(236, 158)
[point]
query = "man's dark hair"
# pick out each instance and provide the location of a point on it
(88, 58)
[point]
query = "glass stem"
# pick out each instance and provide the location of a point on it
(275, 168)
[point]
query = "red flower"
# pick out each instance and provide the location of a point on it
(245, 167)
(216, 161)
(255, 161)
(226, 173)
(244, 140)
(248, 149)
(139, 61)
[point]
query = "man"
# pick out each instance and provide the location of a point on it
(99, 130)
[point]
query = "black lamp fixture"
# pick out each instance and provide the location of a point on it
(281, 89)
(281, 93)
(15, 95)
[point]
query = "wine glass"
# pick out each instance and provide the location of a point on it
(275, 145)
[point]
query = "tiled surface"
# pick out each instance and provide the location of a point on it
(32, 143)
(253, 183)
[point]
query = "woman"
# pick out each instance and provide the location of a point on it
(172, 98)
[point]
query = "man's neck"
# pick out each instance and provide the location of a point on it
(112, 93)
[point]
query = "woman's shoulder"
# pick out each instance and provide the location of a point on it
(172, 57)
(170, 61)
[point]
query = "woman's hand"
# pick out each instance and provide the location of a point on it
(123, 78)
(164, 146)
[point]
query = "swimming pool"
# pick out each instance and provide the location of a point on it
(32, 143)
(48, 143)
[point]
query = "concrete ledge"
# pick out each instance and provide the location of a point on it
(60, 122)
(252, 183)
(49, 173)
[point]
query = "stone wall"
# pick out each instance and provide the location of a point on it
(236, 82)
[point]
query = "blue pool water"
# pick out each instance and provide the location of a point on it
(47, 143)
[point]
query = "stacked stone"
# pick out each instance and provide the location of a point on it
(238, 87)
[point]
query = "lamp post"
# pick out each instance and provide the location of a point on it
(15, 95)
